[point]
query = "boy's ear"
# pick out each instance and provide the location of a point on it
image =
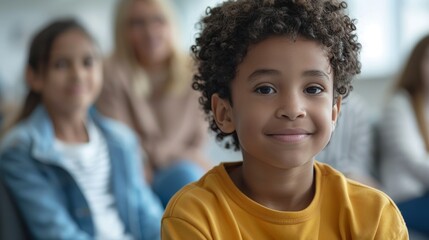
(33, 79)
(222, 113)
(336, 109)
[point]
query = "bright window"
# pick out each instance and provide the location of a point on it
(387, 30)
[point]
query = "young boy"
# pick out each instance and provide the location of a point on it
(272, 75)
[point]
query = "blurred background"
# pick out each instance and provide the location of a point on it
(387, 30)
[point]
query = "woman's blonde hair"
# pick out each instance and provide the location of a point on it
(179, 68)
(412, 80)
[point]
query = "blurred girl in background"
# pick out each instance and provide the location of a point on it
(73, 173)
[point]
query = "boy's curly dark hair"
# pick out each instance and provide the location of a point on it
(228, 29)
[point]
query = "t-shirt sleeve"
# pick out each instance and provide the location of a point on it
(392, 225)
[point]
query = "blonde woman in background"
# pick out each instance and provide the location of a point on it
(404, 133)
(148, 87)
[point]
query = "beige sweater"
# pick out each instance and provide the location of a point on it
(170, 127)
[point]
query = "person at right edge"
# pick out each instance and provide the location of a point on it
(404, 135)
(273, 74)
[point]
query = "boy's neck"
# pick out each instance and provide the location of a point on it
(278, 189)
(70, 128)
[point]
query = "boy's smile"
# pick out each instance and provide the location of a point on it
(282, 105)
(289, 135)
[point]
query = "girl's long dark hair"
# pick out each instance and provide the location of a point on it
(413, 82)
(39, 54)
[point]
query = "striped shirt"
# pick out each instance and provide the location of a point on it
(89, 164)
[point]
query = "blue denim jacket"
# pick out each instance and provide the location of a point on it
(49, 199)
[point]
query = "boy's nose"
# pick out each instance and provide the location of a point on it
(291, 108)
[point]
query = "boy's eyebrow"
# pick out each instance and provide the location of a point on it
(316, 73)
(263, 72)
(273, 72)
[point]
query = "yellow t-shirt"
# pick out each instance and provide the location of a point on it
(214, 208)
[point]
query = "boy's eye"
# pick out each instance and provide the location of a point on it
(313, 90)
(265, 90)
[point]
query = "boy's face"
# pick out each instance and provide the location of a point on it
(282, 102)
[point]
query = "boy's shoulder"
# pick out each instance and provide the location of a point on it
(353, 191)
(363, 207)
(200, 195)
